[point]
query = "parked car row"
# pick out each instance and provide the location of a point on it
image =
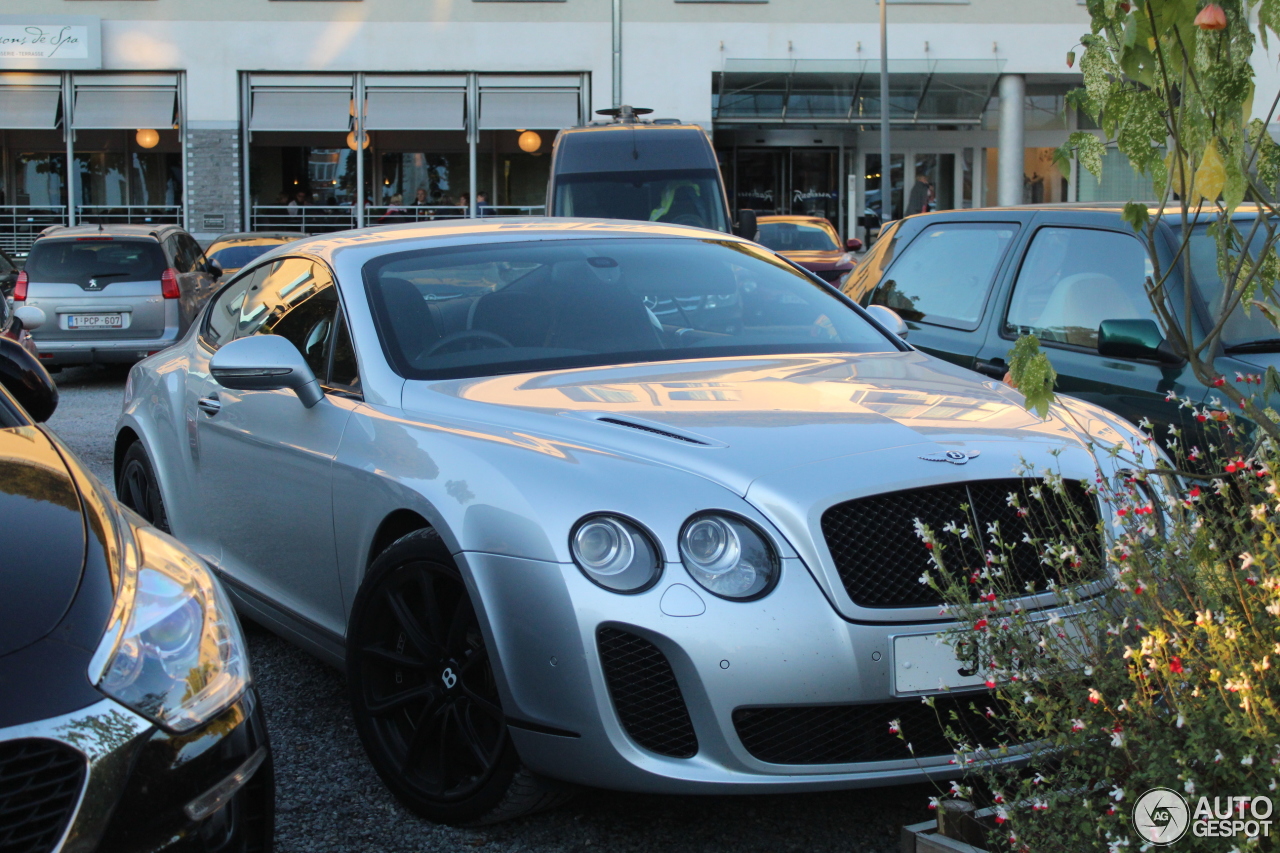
(572, 502)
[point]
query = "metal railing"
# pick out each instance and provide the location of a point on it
(320, 219)
(20, 225)
(135, 214)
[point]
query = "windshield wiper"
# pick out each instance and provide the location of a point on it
(1264, 345)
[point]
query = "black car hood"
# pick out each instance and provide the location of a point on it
(42, 538)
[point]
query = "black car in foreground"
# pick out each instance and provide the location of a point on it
(127, 718)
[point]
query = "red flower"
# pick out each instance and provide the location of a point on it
(1195, 492)
(990, 682)
(929, 545)
(1212, 17)
(1231, 467)
(1219, 382)
(980, 624)
(1175, 664)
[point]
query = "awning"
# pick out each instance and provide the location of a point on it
(415, 109)
(782, 91)
(105, 107)
(512, 109)
(29, 107)
(301, 109)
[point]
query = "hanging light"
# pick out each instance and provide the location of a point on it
(147, 138)
(351, 140)
(530, 141)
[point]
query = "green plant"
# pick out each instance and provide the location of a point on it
(1170, 83)
(1160, 664)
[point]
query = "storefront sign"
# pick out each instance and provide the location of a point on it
(50, 42)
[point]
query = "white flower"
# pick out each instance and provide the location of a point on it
(1117, 738)
(1190, 787)
(1218, 756)
(1117, 793)
(1246, 560)
(924, 578)
(1181, 720)
(1247, 761)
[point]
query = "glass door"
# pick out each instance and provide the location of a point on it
(814, 185)
(758, 181)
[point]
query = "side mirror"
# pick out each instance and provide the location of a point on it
(890, 319)
(30, 317)
(853, 244)
(1135, 339)
(214, 269)
(747, 227)
(25, 378)
(265, 363)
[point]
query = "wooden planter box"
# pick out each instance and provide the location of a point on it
(962, 821)
(924, 838)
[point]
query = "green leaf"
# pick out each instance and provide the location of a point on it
(1137, 215)
(1032, 373)
(1089, 149)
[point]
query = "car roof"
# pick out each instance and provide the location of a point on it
(489, 229)
(781, 217)
(154, 231)
(1171, 209)
(249, 236)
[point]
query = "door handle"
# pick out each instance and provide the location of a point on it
(995, 368)
(209, 405)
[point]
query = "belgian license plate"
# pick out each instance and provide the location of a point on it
(926, 663)
(95, 321)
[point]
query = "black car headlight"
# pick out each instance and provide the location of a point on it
(728, 556)
(615, 553)
(173, 650)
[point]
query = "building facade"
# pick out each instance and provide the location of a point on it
(242, 114)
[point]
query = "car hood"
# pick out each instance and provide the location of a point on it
(737, 420)
(42, 526)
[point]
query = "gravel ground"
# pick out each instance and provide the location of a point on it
(329, 799)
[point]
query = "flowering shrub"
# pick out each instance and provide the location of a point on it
(1160, 664)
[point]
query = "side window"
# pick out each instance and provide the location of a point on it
(226, 312)
(182, 260)
(195, 254)
(944, 275)
(1074, 278)
(308, 324)
(344, 373)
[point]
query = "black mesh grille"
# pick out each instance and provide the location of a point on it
(646, 694)
(880, 559)
(847, 734)
(40, 783)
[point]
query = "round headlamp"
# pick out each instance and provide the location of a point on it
(615, 553)
(728, 557)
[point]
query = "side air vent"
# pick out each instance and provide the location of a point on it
(653, 430)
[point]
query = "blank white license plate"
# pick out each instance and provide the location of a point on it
(925, 663)
(95, 321)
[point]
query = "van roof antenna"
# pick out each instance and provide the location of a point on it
(625, 114)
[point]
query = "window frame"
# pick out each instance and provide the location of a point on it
(340, 322)
(997, 272)
(1003, 318)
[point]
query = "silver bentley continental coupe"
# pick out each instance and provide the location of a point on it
(584, 502)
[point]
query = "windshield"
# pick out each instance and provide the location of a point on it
(76, 261)
(234, 257)
(557, 304)
(1239, 328)
(798, 237)
(681, 197)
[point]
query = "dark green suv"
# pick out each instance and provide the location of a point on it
(969, 282)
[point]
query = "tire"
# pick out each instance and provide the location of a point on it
(138, 488)
(423, 695)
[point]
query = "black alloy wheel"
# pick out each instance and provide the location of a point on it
(423, 693)
(138, 488)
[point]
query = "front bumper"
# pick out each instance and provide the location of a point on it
(137, 780)
(788, 649)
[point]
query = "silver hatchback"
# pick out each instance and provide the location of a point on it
(113, 294)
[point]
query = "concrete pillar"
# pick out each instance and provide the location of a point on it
(1013, 91)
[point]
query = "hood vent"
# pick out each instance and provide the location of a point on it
(654, 430)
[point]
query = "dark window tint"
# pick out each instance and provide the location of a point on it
(944, 275)
(77, 261)
(5, 266)
(235, 257)
(189, 256)
(690, 197)
(344, 374)
(518, 307)
(1240, 328)
(639, 149)
(1074, 278)
(798, 237)
(309, 326)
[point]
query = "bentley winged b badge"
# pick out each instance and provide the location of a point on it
(955, 457)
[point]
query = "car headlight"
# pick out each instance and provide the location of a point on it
(173, 650)
(728, 556)
(615, 553)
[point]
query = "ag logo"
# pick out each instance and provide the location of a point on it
(955, 457)
(1161, 816)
